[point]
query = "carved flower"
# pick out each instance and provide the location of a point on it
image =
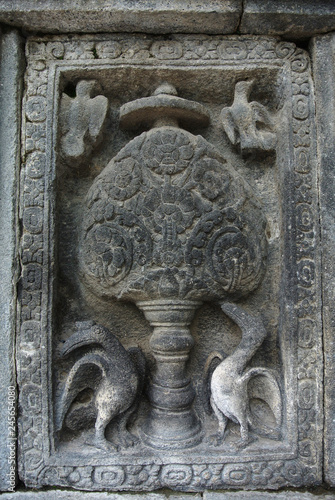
(108, 255)
(126, 179)
(230, 257)
(210, 178)
(170, 205)
(167, 151)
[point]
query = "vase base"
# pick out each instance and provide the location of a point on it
(171, 430)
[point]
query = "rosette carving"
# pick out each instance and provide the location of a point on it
(168, 152)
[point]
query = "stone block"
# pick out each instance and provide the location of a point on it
(323, 51)
(11, 71)
(75, 495)
(258, 495)
(169, 300)
(288, 18)
(158, 16)
(242, 495)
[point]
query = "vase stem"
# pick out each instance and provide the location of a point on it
(172, 422)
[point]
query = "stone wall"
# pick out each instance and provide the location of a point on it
(166, 248)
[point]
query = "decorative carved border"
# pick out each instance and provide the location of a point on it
(35, 315)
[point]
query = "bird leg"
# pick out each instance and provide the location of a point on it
(126, 438)
(217, 439)
(245, 440)
(99, 440)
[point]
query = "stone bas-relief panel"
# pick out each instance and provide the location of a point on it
(168, 316)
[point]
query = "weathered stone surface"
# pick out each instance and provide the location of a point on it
(230, 384)
(11, 70)
(249, 495)
(248, 124)
(169, 303)
(69, 495)
(82, 119)
(157, 16)
(289, 18)
(160, 221)
(119, 390)
(323, 50)
(266, 17)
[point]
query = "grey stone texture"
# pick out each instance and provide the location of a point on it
(266, 17)
(11, 72)
(323, 52)
(163, 236)
(250, 495)
(82, 120)
(155, 16)
(69, 495)
(207, 495)
(119, 390)
(294, 19)
(165, 213)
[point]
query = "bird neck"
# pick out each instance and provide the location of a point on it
(242, 93)
(250, 342)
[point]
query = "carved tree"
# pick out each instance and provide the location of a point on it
(168, 224)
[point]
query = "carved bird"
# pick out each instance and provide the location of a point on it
(82, 119)
(116, 389)
(248, 124)
(232, 386)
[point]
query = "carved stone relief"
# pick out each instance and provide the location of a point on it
(81, 120)
(248, 124)
(167, 317)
